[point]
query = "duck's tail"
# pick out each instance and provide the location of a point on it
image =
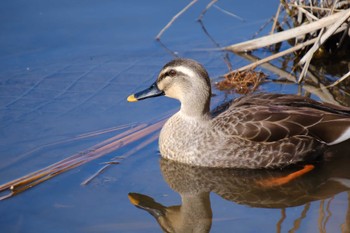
(332, 131)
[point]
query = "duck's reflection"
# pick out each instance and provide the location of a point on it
(249, 187)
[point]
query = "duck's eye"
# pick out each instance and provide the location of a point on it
(172, 73)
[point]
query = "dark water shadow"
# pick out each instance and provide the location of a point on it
(330, 176)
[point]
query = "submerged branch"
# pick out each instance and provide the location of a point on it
(116, 160)
(28, 181)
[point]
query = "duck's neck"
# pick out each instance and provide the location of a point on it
(194, 108)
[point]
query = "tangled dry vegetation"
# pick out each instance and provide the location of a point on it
(317, 32)
(241, 82)
(315, 37)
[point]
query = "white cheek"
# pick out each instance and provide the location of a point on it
(173, 92)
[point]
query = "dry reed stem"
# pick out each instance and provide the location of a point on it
(307, 14)
(314, 8)
(212, 2)
(228, 13)
(275, 20)
(345, 76)
(307, 63)
(102, 169)
(276, 55)
(174, 18)
(286, 35)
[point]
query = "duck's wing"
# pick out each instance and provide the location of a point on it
(267, 99)
(269, 118)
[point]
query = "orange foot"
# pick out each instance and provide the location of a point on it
(273, 182)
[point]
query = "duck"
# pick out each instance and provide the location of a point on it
(259, 130)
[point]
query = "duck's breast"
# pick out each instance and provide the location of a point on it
(181, 138)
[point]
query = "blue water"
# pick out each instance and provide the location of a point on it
(66, 68)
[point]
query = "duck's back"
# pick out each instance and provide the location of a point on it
(274, 117)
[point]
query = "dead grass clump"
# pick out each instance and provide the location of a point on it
(241, 82)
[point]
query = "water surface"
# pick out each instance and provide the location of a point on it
(66, 70)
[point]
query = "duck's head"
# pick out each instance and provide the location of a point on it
(182, 79)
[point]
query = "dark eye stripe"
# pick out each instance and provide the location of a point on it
(170, 73)
(163, 76)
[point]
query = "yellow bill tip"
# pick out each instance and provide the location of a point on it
(131, 98)
(133, 200)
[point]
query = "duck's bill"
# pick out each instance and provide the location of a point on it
(152, 91)
(147, 203)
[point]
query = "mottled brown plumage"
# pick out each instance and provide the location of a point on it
(256, 131)
(272, 117)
